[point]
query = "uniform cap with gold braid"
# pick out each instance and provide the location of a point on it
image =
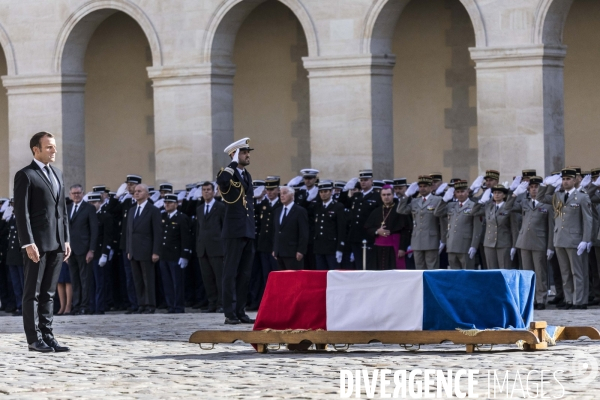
(453, 181)
(325, 185)
(94, 197)
(595, 172)
(309, 173)
(166, 187)
(585, 173)
(499, 188)
(365, 173)
(170, 198)
(461, 184)
(577, 170)
(536, 180)
(436, 176)
(378, 184)
(492, 174)
(272, 182)
(399, 182)
(426, 179)
(568, 172)
(243, 144)
(258, 182)
(527, 173)
(99, 189)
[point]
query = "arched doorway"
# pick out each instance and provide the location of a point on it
(434, 91)
(271, 90)
(4, 143)
(582, 84)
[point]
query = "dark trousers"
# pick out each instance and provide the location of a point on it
(172, 278)
(7, 296)
(81, 273)
(99, 286)
(40, 281)
(268, 264)
(130, 283)
(194, 285)
(594, 275)
(326, 262)
(237, 266)
(257, 284)
(161, 300)
(557, 277)
(357, 249)
(212, 277)
(144, 279)
(17, 279)
(290, 263)
(309, 259)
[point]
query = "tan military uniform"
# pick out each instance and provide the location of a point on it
(497, 240)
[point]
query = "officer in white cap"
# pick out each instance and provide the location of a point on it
(235, 184)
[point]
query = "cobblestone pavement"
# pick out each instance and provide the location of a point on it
(147, 356)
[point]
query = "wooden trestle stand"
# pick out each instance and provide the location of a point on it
(533, 339)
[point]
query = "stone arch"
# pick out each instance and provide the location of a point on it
(229, 16)
(383, 15)
(77, 30)
(9, 52)
(550, 18)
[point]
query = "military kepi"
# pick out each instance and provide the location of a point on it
(134, 179)
(325, 185)
(568, 172)
(242, 144)
(170, 198)
(365, 173)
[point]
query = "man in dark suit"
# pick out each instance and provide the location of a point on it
(144, 228)
(235, 184)
(43, 228)
(83, 226)
(291, 232)
(175, 253)
(209, 246)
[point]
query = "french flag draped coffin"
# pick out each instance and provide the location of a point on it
(397, 300)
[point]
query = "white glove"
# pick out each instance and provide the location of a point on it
(515, 183)
(351, 184)
(472, 252)
(351, 257)
(121, 190)
(184, 262)
(295, 181)
(448, 195)
(557, 181)
(85, 198)
(159, 203)
(338, 256)
(181, 195)
(236, 158)
(190, 194)
(597, 182)
(103, 259)
(441, 248)
(155, 196)
(258, 191)
(581, 248)
(589, 247)
(4, 206)
(127, 196)
(513, 251)
(412, 189)
(549, 254)
(7, 213)
(521, 188)
(586, 181)
(440, 190)
(548, 180)
(196, 193)
(111, 254)
(477, 183)
(486, 196)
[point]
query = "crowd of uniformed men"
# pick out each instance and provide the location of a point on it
(139, 249)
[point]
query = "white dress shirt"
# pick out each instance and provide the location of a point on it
(283, 212)
(52, 178)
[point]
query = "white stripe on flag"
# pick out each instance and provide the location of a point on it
(375, 300)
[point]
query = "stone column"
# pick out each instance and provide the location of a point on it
(53, 103)
(351, 125)
(193, 117)
(520, 108)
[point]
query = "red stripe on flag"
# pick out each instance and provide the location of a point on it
(294, 300)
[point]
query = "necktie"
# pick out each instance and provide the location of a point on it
(47, 169)
(424, 199)
(497, 207)
(137, 213)
(74, 210)
(566, 196)
(533, 202)
(285, 210)
(206, 212)
(459, 205)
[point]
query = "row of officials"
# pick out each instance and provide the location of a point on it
(139, 249)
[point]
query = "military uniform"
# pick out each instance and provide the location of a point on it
(534, 239)
(14, 262)
(572, 227)
(267, 233)
(330, 231)
(427, 230)
(99, 286)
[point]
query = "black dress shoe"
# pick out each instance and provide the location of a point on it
(149, 311)
(556, 300)
(540, 307)
(579, 307)
(246, 319)
(209, 310)
(562, 305)
(40, 346)
(232, 321)
(52, 343)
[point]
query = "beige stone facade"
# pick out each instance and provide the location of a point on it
(159, 88)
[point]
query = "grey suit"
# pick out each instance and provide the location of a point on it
(498, 239)
(464, 230)
(427, 230)
(572, 225)
(534, 239)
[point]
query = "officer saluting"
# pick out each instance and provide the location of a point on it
(235, 185)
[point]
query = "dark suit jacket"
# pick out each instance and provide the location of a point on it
(267, 223)
(41, 215)
(105, 234)
(83, 227)
(144, 233)
(292, 236)
(176, 237)
(239, 217)
(208, 230)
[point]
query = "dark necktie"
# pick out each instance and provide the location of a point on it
(285, 210)
(206, 212)
(459, 205)
(47, 169)
(137, 213)
(74, 210)
(533, 202)
(497, 208)
(566, 196)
